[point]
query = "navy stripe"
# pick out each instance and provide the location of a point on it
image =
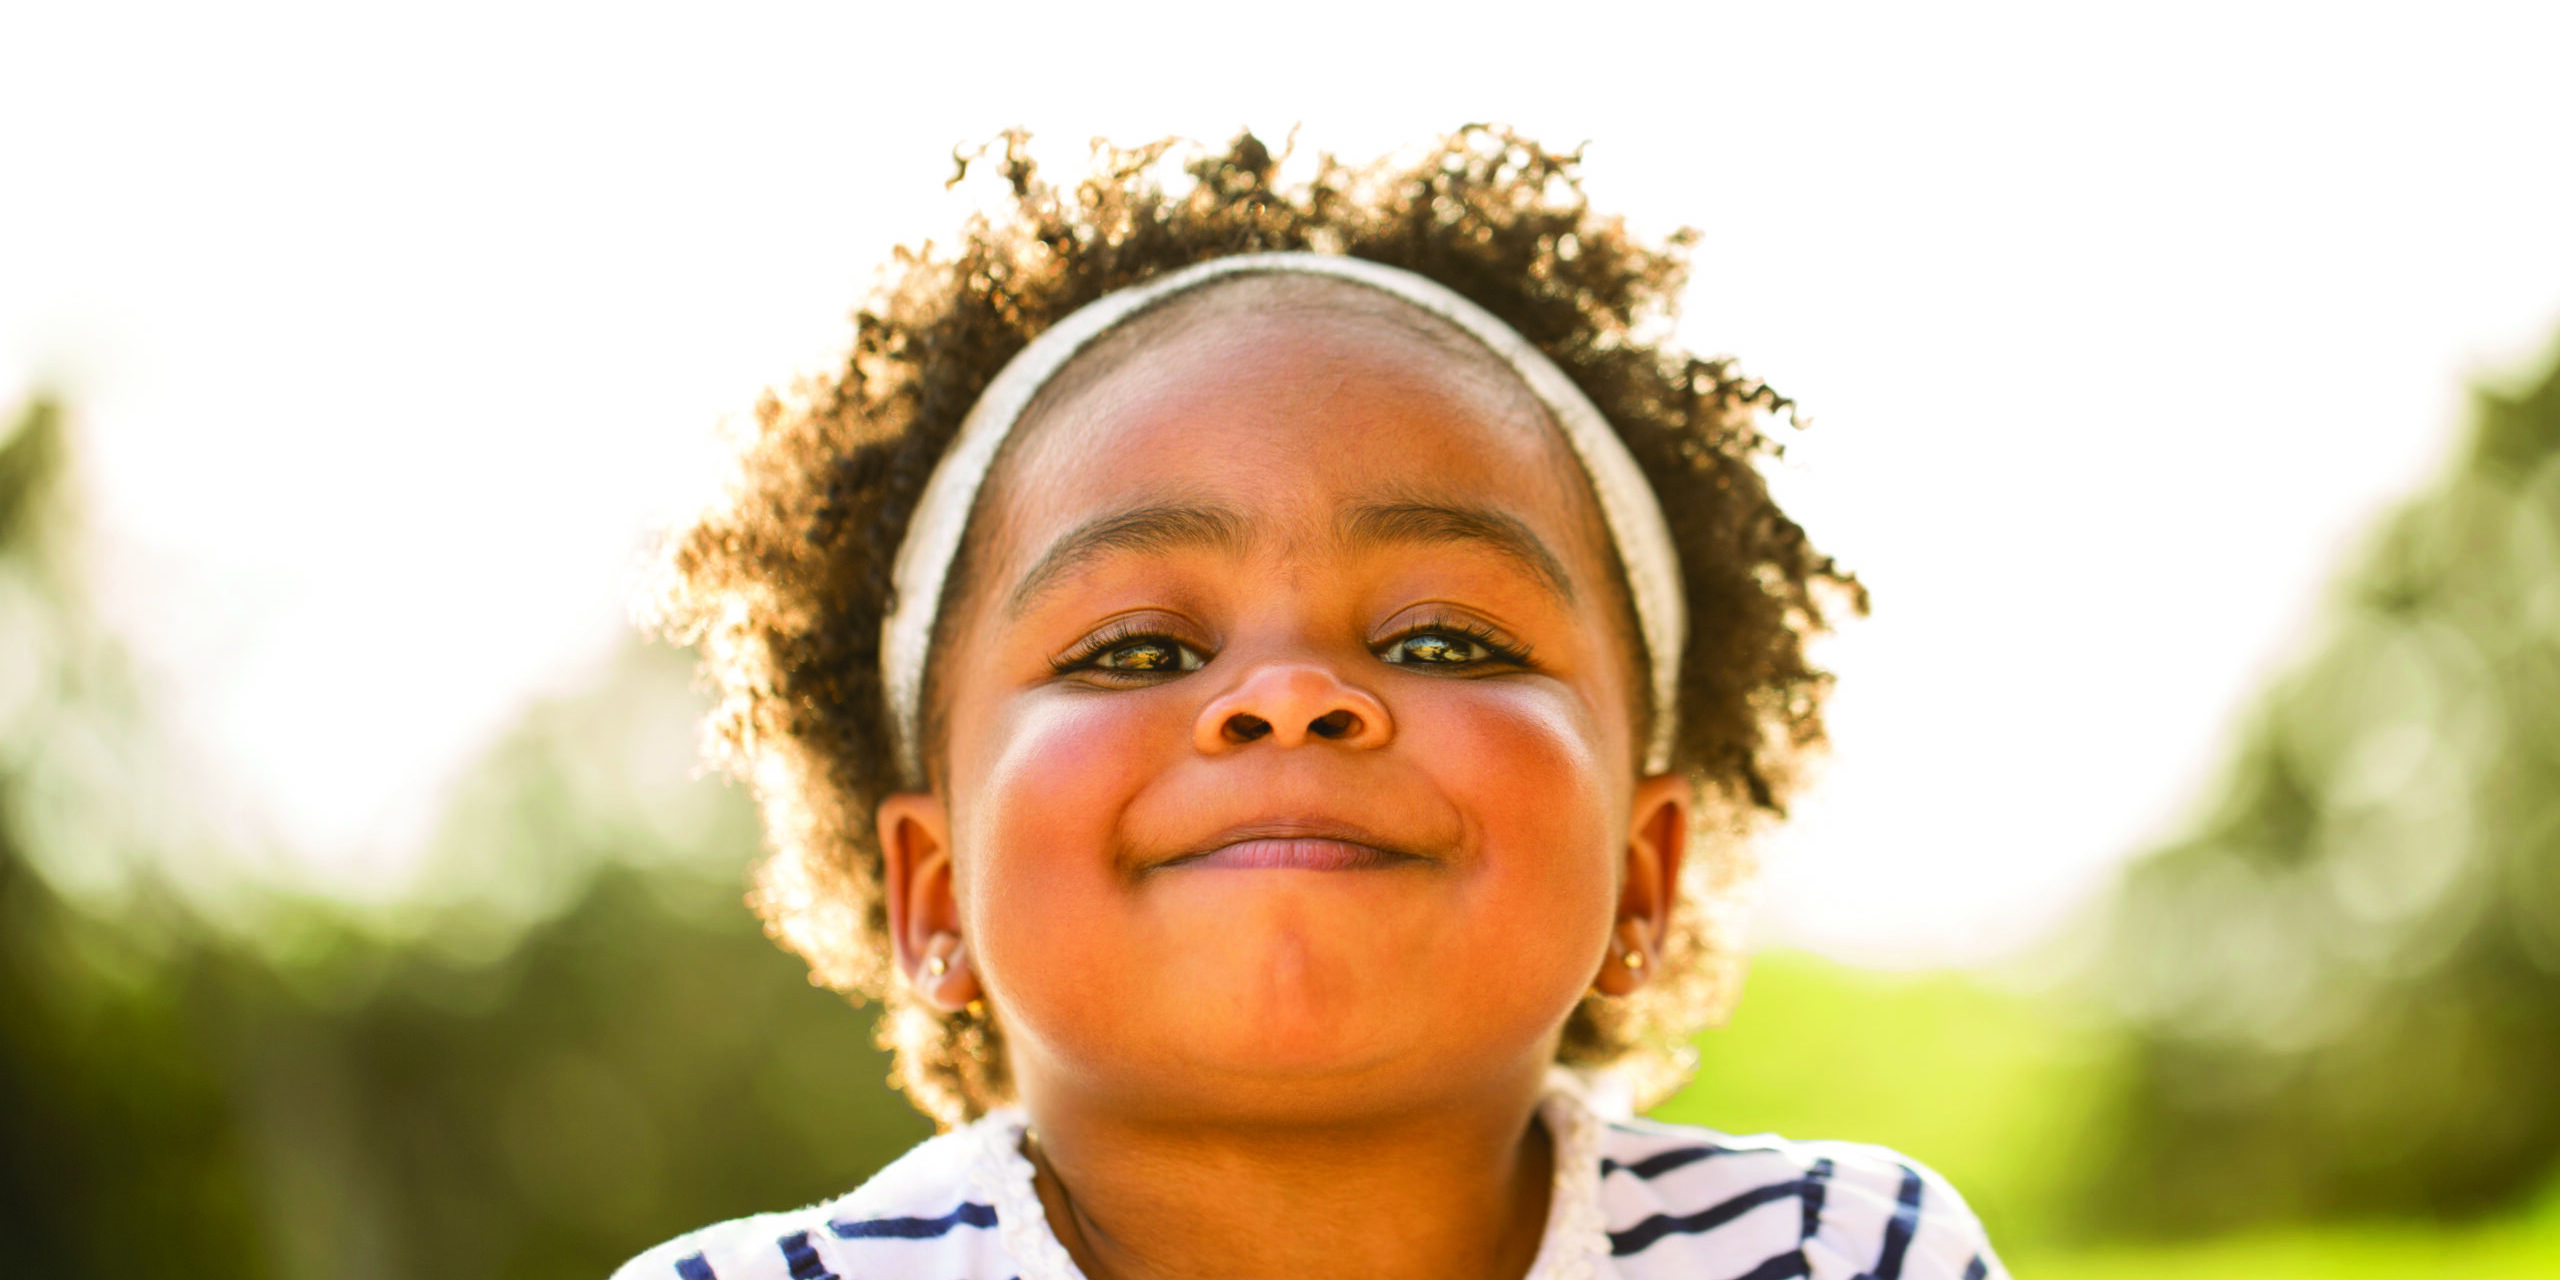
(969, 1214)
(694, 1268)
(804, 1260)
(1897, 1233)
(1814, 1188)
(1975, 1270)
(1790, 1265)
(1661, 1162)
(1638, 1238)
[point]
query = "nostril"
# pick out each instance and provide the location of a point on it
(1244, 728)
(1334, 724)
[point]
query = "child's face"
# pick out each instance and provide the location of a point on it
(1288, 736)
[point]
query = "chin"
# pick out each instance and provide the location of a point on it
(1292, 1009)
(1320, 1080)
(1283, 1016)
(1256, 1055)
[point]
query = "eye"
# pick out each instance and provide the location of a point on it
(1154, 653)
(1137, 656)
(1455, 645)
(1435, 649)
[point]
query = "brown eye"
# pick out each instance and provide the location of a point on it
(1435, 648)
(1149, 655)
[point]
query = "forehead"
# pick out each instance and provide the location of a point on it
(1274, 395)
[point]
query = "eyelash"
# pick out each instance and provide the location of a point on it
(1497, 650)
(1081, 659)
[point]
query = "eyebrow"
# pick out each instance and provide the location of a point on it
(1156, 527)
(1162, 527)
(1380, 523)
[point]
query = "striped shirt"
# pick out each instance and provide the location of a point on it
(1633, 1200)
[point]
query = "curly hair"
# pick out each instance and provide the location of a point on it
(783, 583)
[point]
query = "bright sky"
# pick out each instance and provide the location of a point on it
(2117, 329)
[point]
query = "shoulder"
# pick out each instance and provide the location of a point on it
(918, 1215)
(1683, 1201)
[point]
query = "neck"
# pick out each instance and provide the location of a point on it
(1458, 1187)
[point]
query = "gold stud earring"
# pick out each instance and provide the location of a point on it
(1634, 959)
(935, 966)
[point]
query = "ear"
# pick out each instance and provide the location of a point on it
(923, 901)
(1657, 839)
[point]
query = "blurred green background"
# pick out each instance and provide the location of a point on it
(2316, 1034)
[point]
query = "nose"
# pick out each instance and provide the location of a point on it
(1291, 704)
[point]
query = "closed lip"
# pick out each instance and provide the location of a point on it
(1294, 845)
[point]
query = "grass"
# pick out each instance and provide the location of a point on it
(2517, 1249)
(2010, 1096)
(2004, 1094)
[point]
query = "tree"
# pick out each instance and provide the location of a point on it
(574, 1044)
(2348, 974)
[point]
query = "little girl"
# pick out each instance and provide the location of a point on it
(1267, 685)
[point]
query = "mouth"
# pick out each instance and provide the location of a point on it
(1291, 846)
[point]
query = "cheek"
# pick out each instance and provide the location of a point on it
(1527, 759)
(1479, 965)
(1545, 802)
(1035, 819)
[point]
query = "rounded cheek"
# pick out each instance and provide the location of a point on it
(1035, 829)
(1539, 794)
(1101, 971)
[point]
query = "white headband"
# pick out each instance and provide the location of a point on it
(1627, 502)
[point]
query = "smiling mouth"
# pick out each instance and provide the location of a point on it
(1294, 853)
(1294, 847)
